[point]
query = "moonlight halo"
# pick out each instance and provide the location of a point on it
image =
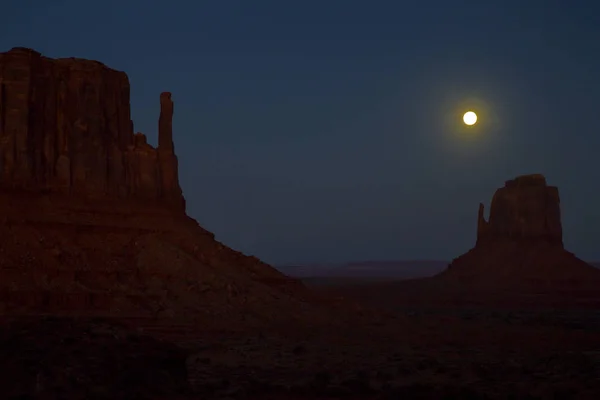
(470, 118)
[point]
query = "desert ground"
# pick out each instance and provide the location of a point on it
(426, 344)
(388, 346)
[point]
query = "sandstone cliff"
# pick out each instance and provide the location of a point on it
(65, 126)
(525, 209)
(521, 246)
(92, 218)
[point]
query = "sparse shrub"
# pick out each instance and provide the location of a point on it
(69, 340)
(299, 350)
(133, 338)
(564, 392)
(362, 375)
(440, 369)
(322, 379)
(360, 384)
(99, 393)
(257, 387)
(206, 388)
(422, 391)
(383, 376)
(422, 365)
(225, 383)
(403, 370)
(461, 393)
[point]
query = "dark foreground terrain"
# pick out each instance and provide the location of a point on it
(424, 347)
(491, 345)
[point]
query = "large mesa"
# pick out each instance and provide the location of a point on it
(92, 217)
(65, 127)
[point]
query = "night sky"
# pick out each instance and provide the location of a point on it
(329, 131)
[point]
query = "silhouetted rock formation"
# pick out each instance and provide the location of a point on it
(521, 245)
(92, 218)
(65, 126)
(525, 209)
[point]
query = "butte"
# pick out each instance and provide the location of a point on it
(92, 217)
(520, 248)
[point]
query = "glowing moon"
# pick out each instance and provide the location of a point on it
(470, 118)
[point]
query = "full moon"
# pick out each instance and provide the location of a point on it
(470, 118)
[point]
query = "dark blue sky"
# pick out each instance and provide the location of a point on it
(326, 131)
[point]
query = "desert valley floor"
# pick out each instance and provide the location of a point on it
(429, 349)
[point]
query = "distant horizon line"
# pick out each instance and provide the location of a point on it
(332, 264)
(359, 262)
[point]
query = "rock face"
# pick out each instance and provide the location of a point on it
(521, 245)
(525, 209)
(65, 126)
(92, 218)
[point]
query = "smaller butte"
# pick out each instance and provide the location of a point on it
(521, 246)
